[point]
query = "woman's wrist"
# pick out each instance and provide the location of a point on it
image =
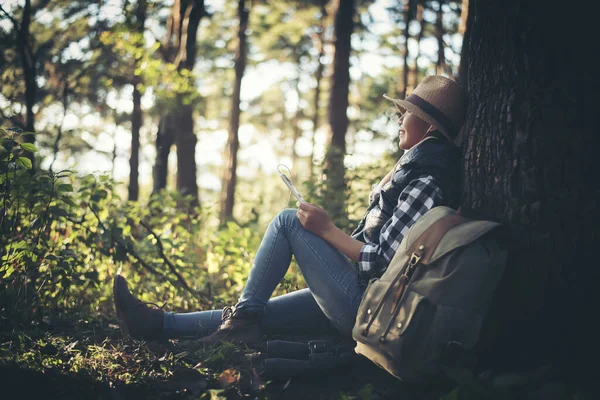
(328, 231)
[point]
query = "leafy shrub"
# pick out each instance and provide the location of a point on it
(64, 237)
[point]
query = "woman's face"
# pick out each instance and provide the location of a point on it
(412, 130)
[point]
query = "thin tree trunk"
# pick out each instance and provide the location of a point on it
(27, 59)
(136, 115)
(338, 117)
(134, 159)
(113, 159)
(320, 37)
(530, 161)
(296, 126)
(408, 17)
(439, 34)
(230, 177)
(421, 21)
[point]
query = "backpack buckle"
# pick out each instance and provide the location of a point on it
(414, 259)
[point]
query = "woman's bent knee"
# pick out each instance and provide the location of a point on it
(286, 217)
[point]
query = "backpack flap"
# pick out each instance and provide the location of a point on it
(462, 235)
(463, 232)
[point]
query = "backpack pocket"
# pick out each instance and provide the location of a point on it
(370, 305)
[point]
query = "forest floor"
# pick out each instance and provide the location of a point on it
(91, 360)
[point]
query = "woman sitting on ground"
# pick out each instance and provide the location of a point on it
(335, 266)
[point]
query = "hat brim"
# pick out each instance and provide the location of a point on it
(404, 106)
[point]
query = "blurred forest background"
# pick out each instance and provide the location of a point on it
(156, 128)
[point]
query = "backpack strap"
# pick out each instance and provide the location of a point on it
(426, 244)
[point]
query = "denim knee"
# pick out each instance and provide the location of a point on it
(286, 217)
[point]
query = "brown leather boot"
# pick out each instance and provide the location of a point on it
(137, 320)
(236, 327)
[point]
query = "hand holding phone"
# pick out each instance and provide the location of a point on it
(291, 187)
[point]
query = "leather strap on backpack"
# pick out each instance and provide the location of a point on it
(426, 244)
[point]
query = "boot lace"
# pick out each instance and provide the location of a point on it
(227, 313)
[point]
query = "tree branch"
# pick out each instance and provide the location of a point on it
(161, 250)
(14, 21)
(127, 248)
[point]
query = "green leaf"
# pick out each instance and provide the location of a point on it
(58, 211)
(65, 187)
(8, 272)
(69, 201)
(29, 147)
(25, 162)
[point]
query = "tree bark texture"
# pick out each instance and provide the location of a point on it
(338, 106)
(233, 142)
(530, 161)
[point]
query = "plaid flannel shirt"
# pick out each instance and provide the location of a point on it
(418, 197)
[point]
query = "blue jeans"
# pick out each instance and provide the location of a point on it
(332, 297)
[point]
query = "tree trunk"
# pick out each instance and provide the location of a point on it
(439, 35)
(421, 21)
(531, 162)
(136, 116)
(296, 131)
(177, 125)
(233, 143)
(185, 138)
(408, 17)
(134, 159)
(334, 170)
(318, 77)
(165, 138)
(27, 58)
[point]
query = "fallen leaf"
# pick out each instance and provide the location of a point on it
(229, 377)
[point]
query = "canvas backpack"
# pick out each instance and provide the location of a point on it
(426, 311)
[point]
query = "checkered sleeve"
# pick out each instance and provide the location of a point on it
(418, 197)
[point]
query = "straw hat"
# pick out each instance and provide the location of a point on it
(439, 101)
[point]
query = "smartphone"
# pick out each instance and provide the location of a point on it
(292, 188)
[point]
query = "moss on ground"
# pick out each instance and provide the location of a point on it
(91, 360)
